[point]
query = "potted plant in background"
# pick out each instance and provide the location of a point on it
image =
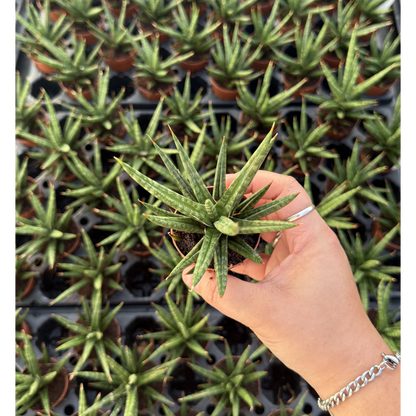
(383, 136)
(83, 405)
(219, 218)
(235, 385)
(52, 234)
(129, 226)
(101, 116)
(96, 270)
(306, 64)
(133, 384)
(27, 115)
(379, 59)
(303, 145)
(296, 411)
(267, 34)
(37, 27)
(80, 12)
(372, 11)
(190, 37)
(43, 383)
(23, 330)
(55, 11)
(262, 109)
(115, 7)
(344, 108)
(153, 74)
(233, 66)
(116, 49)
(25, 278)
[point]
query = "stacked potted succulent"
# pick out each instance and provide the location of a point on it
(121, 171)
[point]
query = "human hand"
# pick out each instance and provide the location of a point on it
(306, 307)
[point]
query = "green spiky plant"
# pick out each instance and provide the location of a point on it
(355, 173)
(182, 412)
(95, 185)
(156, 11)
(22, 186)
(129, 379)
(101, 115)
(262, 109)
(174, 284)
(83, 405)
(32, 386)
(369, 10)
(229, 386)
(384, 136)
(153, 70)
(184, 112)
(57, 143)
(76, 71)
(236, 143)
(300, 9)
(186, 332)
(233, 59)
(80, 11)
(381, 58)
(345, 106)
(367, 260)
(188, 36)
(219, 218)
(37, 25)
(23, 272)
(48, 231)
(309, 52)
(19, 318)
(232, 12)
(89, 332)
(297, 410)
(303, 144)
(129, 225)
(94, 270)
(344, 25)
(267, 34)
(389, 329)
(25, 114)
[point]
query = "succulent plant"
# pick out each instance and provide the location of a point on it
(366, 262)
(345, 103)
(267, 34)
(387, 327)
(58, 143)
(49, 231)
(95, 270)
(384, 136)
(26, 114)
(156, 11)
(188, 36)
(262, 109)
(23, 272)
(100, 115)
(22, 186)
(184, 112)
(300, 9)
(130, 379)
(80, 11)
(128, 224)
(83, 405)
(33, 385)
(183, 410)
(89, 332)
(150, 67)
(19, 318)
(186, 331)
(229, 384)
(218, 218)
(354, 173)
(95, 185)
(309, 52)
(297, 410)
(232, 60)
(372, 10)
(38, 26)
(303, 144)
(231, 12)
(390, 213)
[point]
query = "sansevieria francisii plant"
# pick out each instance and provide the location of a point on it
(219, 221)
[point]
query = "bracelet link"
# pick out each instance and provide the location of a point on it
(391, 361)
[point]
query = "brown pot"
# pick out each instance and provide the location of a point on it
(288, 163)
(332, 12)
(335, 135)
(155, 96)
(265, 8)
(149, 28)
(305, 88)
(260, 64)
(55, 14)
(87, 35)
(201, 6)
(223, 93)
(85, 92)
(25, 326)
(60, 379)
(194, 66)
(121, 64)
(331, 60)
(27, 289)
(375, 90)
(243, 120)
(277, 412)
(378, 231)
(45, 69)
(30, 212)
(131, 9)
(42, 116)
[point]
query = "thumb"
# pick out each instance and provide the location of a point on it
(239, 300)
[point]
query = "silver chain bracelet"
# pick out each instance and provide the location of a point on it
(389, 361)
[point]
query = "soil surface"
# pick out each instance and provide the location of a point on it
(113, 53)
(338, 125)
(293, 80)
(143, 82)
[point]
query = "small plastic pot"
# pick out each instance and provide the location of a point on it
(331, 60)
(308, 89)
(336, 135)
(194, 65)
(260, 64)
(265, 8)
(149, 28)
(88, 35)
(55, 14)
(42, 116)
(375, 90)
(131, 9)
(155, 96)
(25, 326)
(69, 92)
(223, 93)
(45, 69)
(121, 64)
(30, 284)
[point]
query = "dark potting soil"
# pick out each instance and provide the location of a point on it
(140, 326)
(72, 229)
(49, 333)
(139, 280)
(143, 82)
(340, 126)
(280, 383)
(237, 335)
(180, 131)
(293, 80)
(189, 240)
(113, 53)
(184, 382)
(51, 284)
